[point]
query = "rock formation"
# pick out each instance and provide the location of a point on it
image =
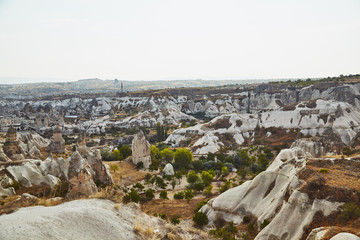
(80, 177)
(57, 144)
(141, 150)
(12, 145)
(81, 144)
(273, 195)
(168, 169)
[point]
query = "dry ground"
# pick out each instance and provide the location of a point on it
(179, 207)
(127, 173)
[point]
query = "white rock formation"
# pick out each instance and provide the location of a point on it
(168, 169)
(265, 198)
(345, 236)
(29, 174)
(141, 150)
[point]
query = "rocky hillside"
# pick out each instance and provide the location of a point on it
(297, 193)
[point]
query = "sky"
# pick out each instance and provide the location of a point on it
(67, 40)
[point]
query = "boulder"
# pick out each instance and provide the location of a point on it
(141, 150)
(168, 170)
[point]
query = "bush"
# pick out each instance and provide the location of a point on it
(175, 220)
(350, 211)
(140, 165)
(163, 195)
(15, 184)
(323, 170)
(61, 189)
(147, 177)
(207, 178)
(162, 216)
(264, 224)
(346, 151)
(149, 194)
(219, 221)
(207, 192)
(179, 195)
(114, 167)
(117, 155)
(246, 219)
(139, 186)
(224, 171)
(199, 186)
(167, 155)
(188, 194)
(226, 233)
(132, 196)
(200, 205)
(225, 187)
(200, 219)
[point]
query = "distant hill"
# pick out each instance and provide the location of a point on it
(95, 85)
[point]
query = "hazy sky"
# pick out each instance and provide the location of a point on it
(183, 39)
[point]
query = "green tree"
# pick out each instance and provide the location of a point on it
(183, 158)
(125, 151)
(167, 155)
(224, 171)
(207, 192)
(117, 155)
(207, 178)
(192, 177)
(175, 220)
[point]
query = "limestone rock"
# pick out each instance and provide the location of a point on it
(141, 150)
(345, 236)
(101, 170)
(57, 143)
(29, 173)
(168, 170)
(80, 177)
(311, 147)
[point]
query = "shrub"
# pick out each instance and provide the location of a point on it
(61, 189)
(246, 219)
(224, 171)
(114, 167)
(200, 205)
(132, 196)
(140, 165)
(147, 177)
(199, 186)
(350, 211)
(188, 194)
(225, 187)
(139, 186)
(197, 165)
(179, 195)
(162, 216)
(264, 224)
(346, 151)
(163, 195)
(219, 221)
(323, 170)
(149, 193)
(175, 220)
(207, 178)
(15, 184)
(226, 233)
(200, 219)
(207, 192)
